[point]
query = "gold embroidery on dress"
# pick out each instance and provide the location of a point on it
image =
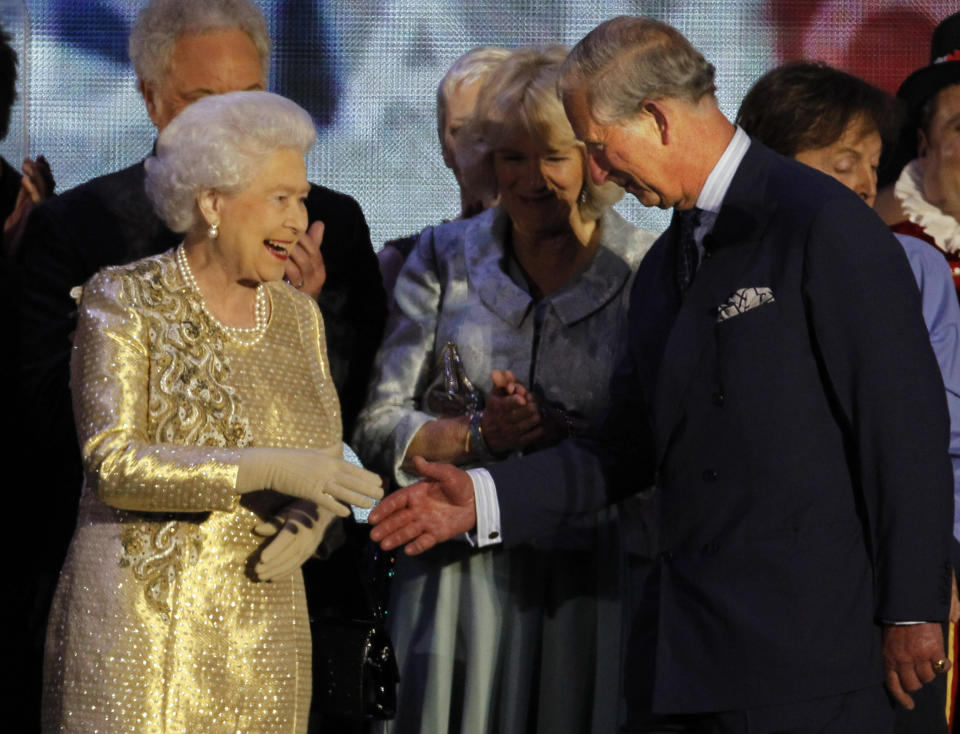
(157, 553)
(193, 404)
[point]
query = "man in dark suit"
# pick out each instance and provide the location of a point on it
(777, 386)
(181, 50)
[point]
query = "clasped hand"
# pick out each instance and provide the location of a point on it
(297, 532)
(515, 420)
(511, 417)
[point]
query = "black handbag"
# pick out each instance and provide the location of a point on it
(356, 676)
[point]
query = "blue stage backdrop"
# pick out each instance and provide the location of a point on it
(367, 70)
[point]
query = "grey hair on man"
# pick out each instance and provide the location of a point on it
(162, 22)
(475, 65)
(219, 142)
(627, 60)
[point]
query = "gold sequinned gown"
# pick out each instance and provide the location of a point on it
(156, 625)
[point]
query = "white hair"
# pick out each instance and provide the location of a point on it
(162, 22)
(219, 142)
(475, 65)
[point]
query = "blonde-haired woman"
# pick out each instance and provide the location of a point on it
(532, 293)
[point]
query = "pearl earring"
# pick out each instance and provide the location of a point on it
(213, 231)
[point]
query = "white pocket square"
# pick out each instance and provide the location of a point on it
(742, 300)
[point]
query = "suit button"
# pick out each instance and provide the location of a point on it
(666, 555)
(719, 398)
(710, 475)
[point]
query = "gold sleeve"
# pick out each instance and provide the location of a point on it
(110, 373)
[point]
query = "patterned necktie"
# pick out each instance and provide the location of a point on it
(688, 255)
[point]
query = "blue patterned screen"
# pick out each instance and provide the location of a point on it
(367, 70)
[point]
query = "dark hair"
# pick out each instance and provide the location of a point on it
(805, 105)
(8, 81)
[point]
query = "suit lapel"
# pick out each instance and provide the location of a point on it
(732, 248)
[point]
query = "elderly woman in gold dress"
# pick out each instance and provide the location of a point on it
(204, 408)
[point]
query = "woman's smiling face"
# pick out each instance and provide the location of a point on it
(260, 224)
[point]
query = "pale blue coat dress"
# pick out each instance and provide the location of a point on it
(493, 640)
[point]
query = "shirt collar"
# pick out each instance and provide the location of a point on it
(715, 189)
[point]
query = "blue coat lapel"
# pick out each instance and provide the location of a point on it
(602, 280)
(732, 248)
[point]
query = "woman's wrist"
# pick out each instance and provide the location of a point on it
(475, 445)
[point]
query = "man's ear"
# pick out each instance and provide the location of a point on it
(659, 116)
(153, 101)
(210, 204)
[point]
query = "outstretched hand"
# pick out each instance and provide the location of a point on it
(909, 655)
(439, 507)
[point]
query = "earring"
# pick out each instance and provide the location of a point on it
(213, 231)
(582, 197)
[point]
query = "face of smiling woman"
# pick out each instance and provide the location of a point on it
(260, 224)
(538, 185)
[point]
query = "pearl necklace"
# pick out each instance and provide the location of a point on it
(246, 335)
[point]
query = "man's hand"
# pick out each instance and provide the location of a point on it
(909, 654)
(305, 269)
(433, 510)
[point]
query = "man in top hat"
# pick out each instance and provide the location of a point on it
(925, 199)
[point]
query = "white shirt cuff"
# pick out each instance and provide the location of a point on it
(488, 509)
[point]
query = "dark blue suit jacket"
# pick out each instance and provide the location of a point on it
(800, 449)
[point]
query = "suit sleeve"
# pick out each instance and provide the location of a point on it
(109, 377)
(865, 319)
(539, 491)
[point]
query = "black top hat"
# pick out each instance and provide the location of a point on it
(944, 68)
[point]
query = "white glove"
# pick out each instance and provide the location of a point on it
(318, 475)
(300, 529)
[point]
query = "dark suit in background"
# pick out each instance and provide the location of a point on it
(800, 448)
